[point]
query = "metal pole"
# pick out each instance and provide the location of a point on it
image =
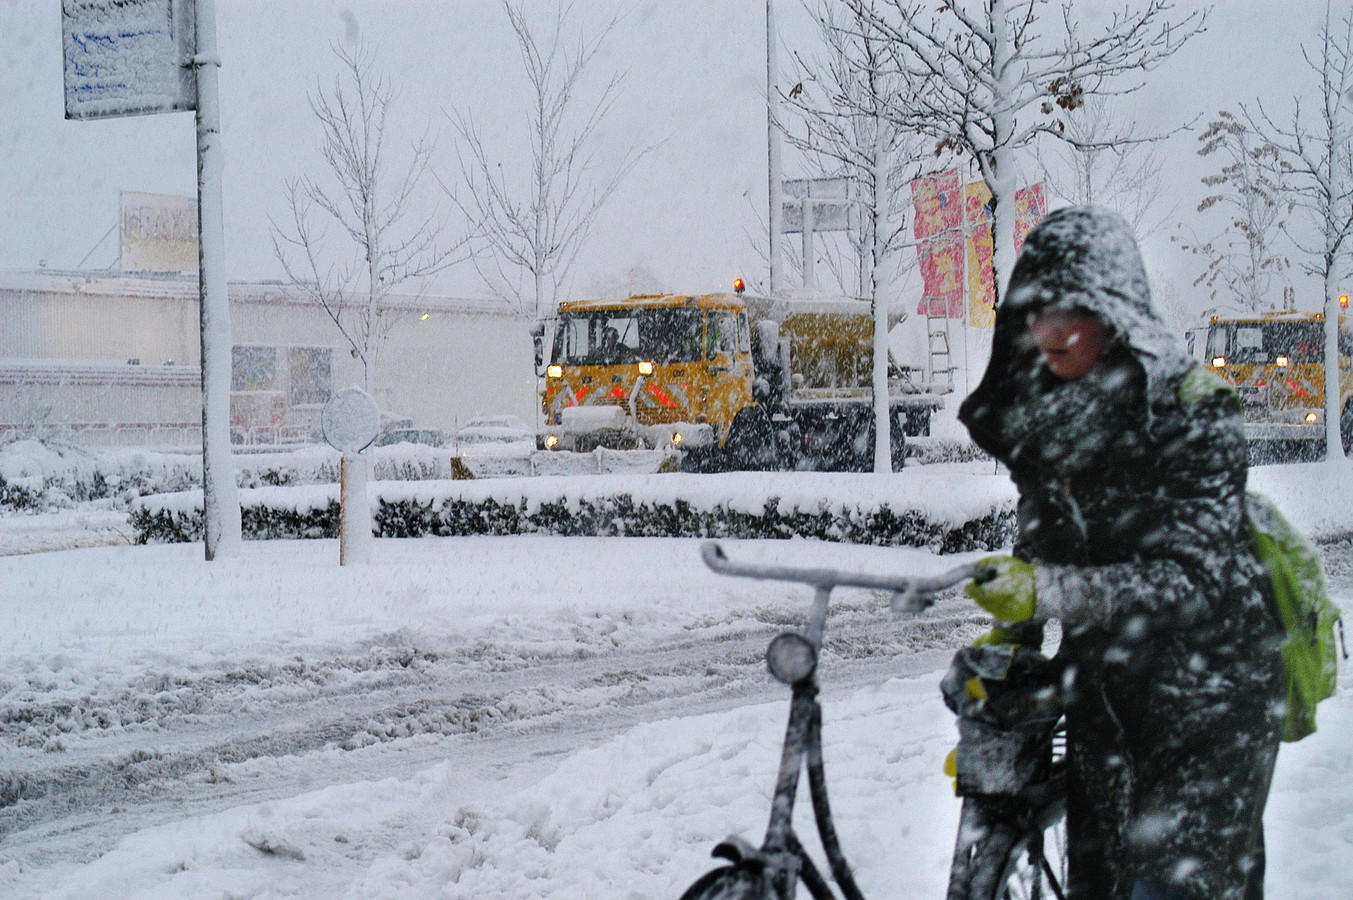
(773, 150)
(809, 279)
(354, 518)
(220, 500)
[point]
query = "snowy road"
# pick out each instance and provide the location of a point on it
(280, 726)
(153, 746)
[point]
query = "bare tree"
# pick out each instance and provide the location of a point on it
(1104, 159)
(841, 103)
(372, 209)
(987, 77)
(1242, 259)
(840, 100)
(536, 226)
(1316, 157)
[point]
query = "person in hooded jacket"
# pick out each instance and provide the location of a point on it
(1131, 464)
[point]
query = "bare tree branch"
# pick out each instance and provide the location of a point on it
(1251, 189)
(1315, 157)
(370, 210)
(538, 229)
(985, 78)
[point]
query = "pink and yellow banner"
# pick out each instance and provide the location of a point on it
(937, 227)
(936, 198)
(1030, 206)
(942, 271)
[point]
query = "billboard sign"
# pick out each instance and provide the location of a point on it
(830, 199)
(159, 233)
(126, 57)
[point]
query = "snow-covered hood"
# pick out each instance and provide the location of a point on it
(1081, 258)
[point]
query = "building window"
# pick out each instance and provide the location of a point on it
(304, 375)
(253, 369)
(311, 374)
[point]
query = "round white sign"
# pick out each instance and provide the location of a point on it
(350, 420)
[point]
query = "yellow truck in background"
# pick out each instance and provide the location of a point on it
(1277, 363)
(732, 381)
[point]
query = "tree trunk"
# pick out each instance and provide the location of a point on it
(1334, 443)
(883, 444)
(1001, 177)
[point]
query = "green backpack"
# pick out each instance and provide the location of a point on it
(1307, 613)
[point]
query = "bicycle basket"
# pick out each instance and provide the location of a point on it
(1008, 704)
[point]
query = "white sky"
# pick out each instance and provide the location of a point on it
(688, 218)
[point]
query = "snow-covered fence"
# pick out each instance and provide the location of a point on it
(964, 508)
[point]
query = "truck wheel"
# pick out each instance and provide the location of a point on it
(918, 422)
(751, 441)
(702, 459)
(898, 444)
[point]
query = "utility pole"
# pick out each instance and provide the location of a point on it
(773, 150)
(220, 499)
(158, 56)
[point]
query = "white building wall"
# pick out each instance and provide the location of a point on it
(107, 359)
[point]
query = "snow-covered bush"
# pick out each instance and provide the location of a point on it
(732, 506)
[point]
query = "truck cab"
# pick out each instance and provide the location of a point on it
(733, 381)
(1276, 361)
(647, 371)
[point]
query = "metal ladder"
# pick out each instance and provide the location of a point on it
(937, 346)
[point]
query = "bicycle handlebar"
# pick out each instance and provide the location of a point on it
(911, 594)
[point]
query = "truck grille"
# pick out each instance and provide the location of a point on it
(1253, 396)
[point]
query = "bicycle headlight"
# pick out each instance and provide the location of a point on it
(790, 658)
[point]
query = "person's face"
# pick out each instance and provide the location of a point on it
(1070, 343)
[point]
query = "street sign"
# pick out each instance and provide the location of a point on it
(828, 197)
(127, 57)
(350, 420)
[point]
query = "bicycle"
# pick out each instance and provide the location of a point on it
(1001, 852)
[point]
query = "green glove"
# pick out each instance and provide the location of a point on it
(1010, 595)
(997, 636)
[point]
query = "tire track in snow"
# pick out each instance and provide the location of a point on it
(256, 733)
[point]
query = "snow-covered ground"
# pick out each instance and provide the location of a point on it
(497, 717)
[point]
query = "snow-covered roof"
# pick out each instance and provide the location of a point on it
(185, 287)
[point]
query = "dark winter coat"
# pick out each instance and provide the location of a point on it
(1132, 494)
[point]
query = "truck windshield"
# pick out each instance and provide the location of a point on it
(1264, 342)
(623, 336)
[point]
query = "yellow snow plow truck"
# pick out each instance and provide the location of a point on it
(1277, 363)
(732, 381)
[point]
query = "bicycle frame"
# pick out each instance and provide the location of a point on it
(773, 871)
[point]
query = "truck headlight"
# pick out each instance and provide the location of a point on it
(1218, 362)
(646, 367)
(555, 371)
(676, 439)
(551, 441)
(1312, 418)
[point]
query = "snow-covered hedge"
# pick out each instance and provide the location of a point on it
(949, 508)
(37, 476)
